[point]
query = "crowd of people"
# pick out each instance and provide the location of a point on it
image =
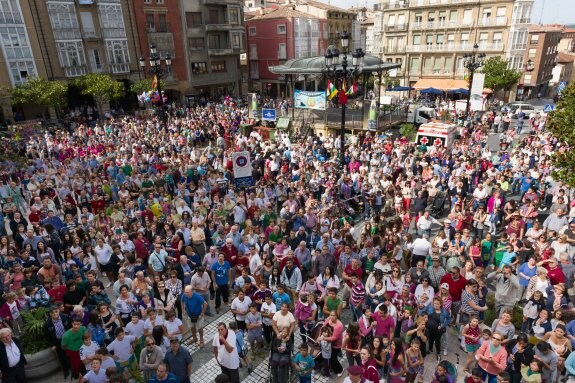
(128, 233)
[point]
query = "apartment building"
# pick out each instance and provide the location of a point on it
(280, 35)
(542, 51)
(430, 37)
(215, 38)
(87, 36)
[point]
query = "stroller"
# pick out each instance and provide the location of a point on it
(438, 204)
(280, 360)
(313, 344)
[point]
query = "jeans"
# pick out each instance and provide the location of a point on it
(490, 377)
(305, 379)
(206, 297)
(234, 375)
(356, 312)
(222, 292)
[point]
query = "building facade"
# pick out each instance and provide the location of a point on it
(280, 35)
(215, 38)
(430, 37)
(159, 23)
(542, 51)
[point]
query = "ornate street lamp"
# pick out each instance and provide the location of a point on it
(472, 62)
(158, 71)
(339, 75)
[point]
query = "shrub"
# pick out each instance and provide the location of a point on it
(33, 338)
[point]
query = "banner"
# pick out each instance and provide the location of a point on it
(371, 115)
(309, 100)
(476, 99)
(242, 169)
(253, 106)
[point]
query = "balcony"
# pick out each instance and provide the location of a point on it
(67, 34)
(518, 47)
(75, 70)
(114, 33)
(442, 24)
(466, 47)
(428, 3)
(521, 20)
(492, 22)
(220, 51)
(120, 68)
(91, 35)
(395, 5)
(396, 28)
(10, 18)
(220, 27)
(394, 49)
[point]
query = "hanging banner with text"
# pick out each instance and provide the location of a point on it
(253, 106)
(309, 100)
(242, 169)
(476, 99)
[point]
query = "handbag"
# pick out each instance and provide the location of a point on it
(381, 380)
(530, 310)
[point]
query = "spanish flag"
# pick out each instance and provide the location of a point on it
(155, 83)
(331, 90)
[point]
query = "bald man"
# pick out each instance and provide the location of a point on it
(194, 307)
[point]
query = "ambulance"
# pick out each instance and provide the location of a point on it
(435, 133)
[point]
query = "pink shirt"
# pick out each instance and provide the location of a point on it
(384, 326)
(337, 333)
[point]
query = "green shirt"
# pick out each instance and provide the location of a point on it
(332, 305)
(127, 170)
(73, 340)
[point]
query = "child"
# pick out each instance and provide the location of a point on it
(303, 364)
(375, 296)
(475, 376)
(485, 336)
(255, 328)
(136, 329)
(475, 253)
(406, 325)
(325, 349)
(415, 362)
(268, 310)
(470, 333)
(241, 346)
(532, 373)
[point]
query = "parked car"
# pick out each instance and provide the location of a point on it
(515, 107)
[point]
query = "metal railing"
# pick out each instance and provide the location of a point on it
(423, 3)
(396, 28)
(8, 17)
(452, 47)
(443, 24)
(490, 22)
(521, 20)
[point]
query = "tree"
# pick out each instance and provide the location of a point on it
(408, 131)
(497, 74)
(561, 123)
(39, 91)
(100, 86)
(144, 85)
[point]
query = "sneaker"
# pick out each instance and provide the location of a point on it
(340, 374)
(445, 352)
(109, 285)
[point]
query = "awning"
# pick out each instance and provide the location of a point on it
(283, 123)
(444, 84)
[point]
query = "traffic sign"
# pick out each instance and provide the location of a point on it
(561, 87)
(244, 182)
(549, 108)
(268, 114)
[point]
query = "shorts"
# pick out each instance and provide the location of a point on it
(255, 338)
(197, 323)
(471, 347)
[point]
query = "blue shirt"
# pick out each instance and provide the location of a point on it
(530, 272)
(507, 258)
(171, 378)
(221, 271)
(280, 299)
(306, 364)
(193, 305)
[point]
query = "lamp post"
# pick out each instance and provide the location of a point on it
(156, 69)
(472, 62)
(338, 74)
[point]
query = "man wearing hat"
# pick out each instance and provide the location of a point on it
(353, 374)
(436, 271)
(54, 328)
(448, 229)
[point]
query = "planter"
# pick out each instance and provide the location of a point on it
(41, 364)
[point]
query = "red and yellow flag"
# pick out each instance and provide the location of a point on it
(155, 83)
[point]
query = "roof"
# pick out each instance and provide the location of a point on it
(563, 57)
(545, 28)
(286, 12)
(316, 65)
(327, 7)
(443, 84)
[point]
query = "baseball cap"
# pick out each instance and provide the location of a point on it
(445, 286)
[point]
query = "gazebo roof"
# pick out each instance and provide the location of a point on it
(316, 65)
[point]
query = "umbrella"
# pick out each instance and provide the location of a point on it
(458, 91)
(400, 89)
(431, 91)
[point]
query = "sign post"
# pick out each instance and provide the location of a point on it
(269, 115)
(242, 171)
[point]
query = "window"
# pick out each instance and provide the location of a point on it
(199, 68)
(452, 15)
(486, 15)
(448, 68)
(234, 16)
(236, 41)
(427, 64)
(159, 1)
(501, 12)
(467, 19)
(534, 39)
(193, 19)
(15, 43)
(439, 39)
(88, 24)
(162, 23)
(414, 65)
(429, 40)
(147, 1)
(437, 65)
(64, 21)
(196, 43)
(532, 52)
(450, 39)
(281, 29)
(527, 79)
(483, 36)
(218, 66)
(416, 39)
(118, 55)
(253, 52)
(71, 56)
(401, 21)
(497, 39)
(464, 39)
(254, 70)
(442, 17)
(20, 70)
(95, 62)
(252, 31)
(111, 17)
(391, 20)
(150, 23)
(418, 18)
(282, 51)
(431, 17)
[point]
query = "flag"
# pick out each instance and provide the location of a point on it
(155, 82)
(352, 89)
(331, 90)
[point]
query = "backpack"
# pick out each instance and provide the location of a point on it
(241, 346)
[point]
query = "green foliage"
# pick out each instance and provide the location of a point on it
(561, 123)
(490, 316)
(39, 91)
(497, 75)
(33, 338)
(144, 85)
(407, 130)
(100, 86)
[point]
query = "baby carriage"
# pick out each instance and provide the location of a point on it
(280, 360)
(438, 204)
(314, 345)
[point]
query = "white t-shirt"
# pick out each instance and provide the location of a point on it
(92, 377)
(149, 326)
(136, 330)
(173, 326)
(255, 261)
(103, 254)
(227, 359)
(242, 307)
(122, 349)
(88, 351)
(268, 309)
(283, 321)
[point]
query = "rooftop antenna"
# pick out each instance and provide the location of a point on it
(541, 13)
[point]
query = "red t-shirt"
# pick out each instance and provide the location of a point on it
(348, 270)
(456, 287)
(556, 275)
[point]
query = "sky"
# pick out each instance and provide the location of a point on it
(544, 11)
